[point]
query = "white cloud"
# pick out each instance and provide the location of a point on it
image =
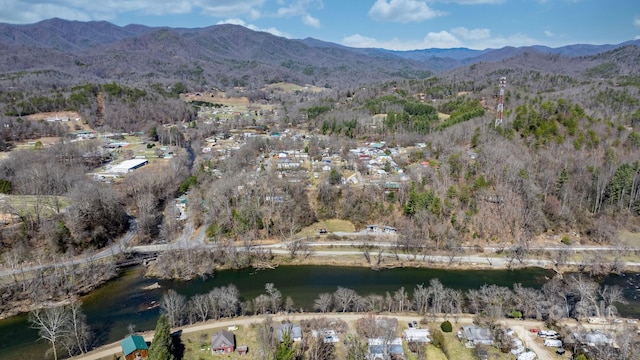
(229, 8)
(472, 2)
(310, 21)
(548, 33)
(515, 40)
(357, 40)
(21, 11)
(442, 39)
(299, 8)
(271, 30)
(17, 12)
(431, 40)
(403, 11)
(473, 34)
(636, 21)
(474, 39)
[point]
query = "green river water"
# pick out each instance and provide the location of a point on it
(122, 301)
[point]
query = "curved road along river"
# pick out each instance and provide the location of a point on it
(521, 329)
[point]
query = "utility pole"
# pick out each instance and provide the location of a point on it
(500, 107)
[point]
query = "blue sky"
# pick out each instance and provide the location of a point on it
(390, 24)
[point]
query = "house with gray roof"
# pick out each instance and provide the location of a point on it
(223, 342)
(476, 335)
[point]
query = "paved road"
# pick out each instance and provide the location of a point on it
(118, 247)
(191, 238)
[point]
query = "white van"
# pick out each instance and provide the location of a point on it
(553, 343)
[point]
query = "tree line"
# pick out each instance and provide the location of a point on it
(572, 296)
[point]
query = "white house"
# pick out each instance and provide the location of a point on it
(417, 335)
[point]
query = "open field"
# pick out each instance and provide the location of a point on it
(217, 97)
(289, 87)
(30, 204)
(332, 225)
(198, 344)
(631, 239)
(73, 123)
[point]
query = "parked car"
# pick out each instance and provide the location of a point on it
(534, 330)
(410, 325)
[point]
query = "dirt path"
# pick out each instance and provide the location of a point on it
(529, 340)
(519, 327)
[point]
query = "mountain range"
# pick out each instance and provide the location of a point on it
(102, 50)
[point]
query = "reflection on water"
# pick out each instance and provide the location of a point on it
(630, 283)
(122, 301)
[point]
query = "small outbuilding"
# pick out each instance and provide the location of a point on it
(134, 347)
(293, 331)
(223, 342)
(417, 335)
(476, 335)
(372, 228)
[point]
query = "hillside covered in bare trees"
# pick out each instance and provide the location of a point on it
(267, 136)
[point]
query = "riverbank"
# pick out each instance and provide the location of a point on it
(376, 260)
(21, 303)
(349, 254)
(122, 302)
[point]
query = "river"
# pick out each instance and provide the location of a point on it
(120, 302)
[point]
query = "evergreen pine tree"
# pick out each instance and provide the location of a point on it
(162, 345)
(285, 350)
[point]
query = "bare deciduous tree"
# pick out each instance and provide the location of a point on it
(174, 305)
(323, 302)
(52, 325)
(344, 298)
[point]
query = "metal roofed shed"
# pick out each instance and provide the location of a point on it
(417, 335)
(134, 347)
(476, 335)
(129, 165)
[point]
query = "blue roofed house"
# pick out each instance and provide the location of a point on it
(134, 347)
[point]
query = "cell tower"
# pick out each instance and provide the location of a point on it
(500, 107)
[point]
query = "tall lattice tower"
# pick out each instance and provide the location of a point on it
(500, 107)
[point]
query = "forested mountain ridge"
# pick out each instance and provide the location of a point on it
(216, 56)
(219, 55)
(65, 35)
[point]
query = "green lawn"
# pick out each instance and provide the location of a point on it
(28, 204)
(197, 344)
(434, 353)
(633, 239)
(332, 225)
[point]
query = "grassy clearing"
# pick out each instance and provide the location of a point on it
(434, 353)
(27, 204)
(197, 345)
(633, 239)
(289, 87)
(332, 225)
(455, 349)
